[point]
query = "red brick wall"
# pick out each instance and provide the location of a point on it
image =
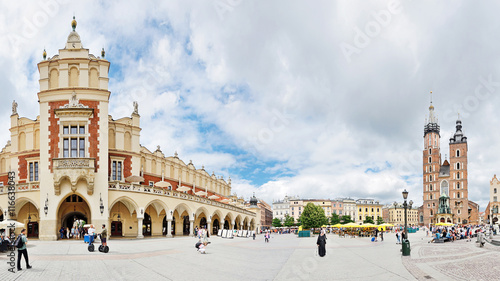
(93, 129)
(23, 166)
(4, 179)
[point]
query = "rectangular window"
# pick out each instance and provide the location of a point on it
(113, 171)
(31, 171)
(74, 141)
(119, 175)
(36, 171)
(151, 183)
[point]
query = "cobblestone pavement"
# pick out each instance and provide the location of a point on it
(459, 260)
(285, 257)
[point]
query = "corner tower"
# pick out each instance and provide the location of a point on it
(431, 166)
(73, 102)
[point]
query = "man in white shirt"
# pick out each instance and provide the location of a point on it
(91, 232)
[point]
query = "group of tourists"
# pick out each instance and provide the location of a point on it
(76, 231)
(453, 233)
(202, 234)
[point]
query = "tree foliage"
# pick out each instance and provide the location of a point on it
(313, 216)
(346, 219)
(277, 222)
(289, 221)
(334, 219)
(368, 219)
(380, 220)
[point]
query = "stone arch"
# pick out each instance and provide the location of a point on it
(444, 188)
(74, 76)
(237, 221)
(158, 205)
(127, 202)
(127, 141)
(21, 141)
(201, 213)
(54, 78)
(111, 138)
(67, 209)
(93, 78)
(22, 201)
(181, 207)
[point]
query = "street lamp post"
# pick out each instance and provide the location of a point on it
(406, 244)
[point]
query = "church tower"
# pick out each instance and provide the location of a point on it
(431, 166)
(458, 175)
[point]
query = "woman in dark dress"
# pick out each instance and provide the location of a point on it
(321, 244)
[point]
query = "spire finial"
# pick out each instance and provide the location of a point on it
(103, 53)
(44, 54)
(431, 97)
(73, 23)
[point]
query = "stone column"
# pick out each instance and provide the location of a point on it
(169, 228)
(191, 230)
(233, 224)
(241, 226)
(222, 225)
(209, 228)
(139, 226)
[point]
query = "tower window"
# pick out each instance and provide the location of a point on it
(430, 168)
(458, 166)
(430, 160)
(458, 185)
(458, 153)
(74, 141)
(458, 194)
(430, 177)
(430, 151)
(458, 175)
(495, 191)
(430, 187)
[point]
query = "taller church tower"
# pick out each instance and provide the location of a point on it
(431, 166)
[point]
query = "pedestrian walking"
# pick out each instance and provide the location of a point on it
(382, 236)
(321, 242)
(22, 251)
(397, 237)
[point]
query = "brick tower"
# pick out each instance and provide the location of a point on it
(431, 167)
(458, 176)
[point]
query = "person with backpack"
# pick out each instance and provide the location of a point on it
(20, 244)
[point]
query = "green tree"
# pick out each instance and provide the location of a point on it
(334, 219)
(313, 216)
(276, 222)
(346, 219)
(380, 220)
(368, 219)
(289, 221)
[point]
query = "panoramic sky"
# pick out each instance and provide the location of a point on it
(323, 99)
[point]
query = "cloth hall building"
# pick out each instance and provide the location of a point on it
(74, 161)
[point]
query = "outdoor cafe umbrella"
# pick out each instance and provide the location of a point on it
(337, 225)
(368, 225)
(225, 200)
(351, 224)
(162, 184)
(444, 224)
(6, 223)
(134, 179)
(213, 197)
(183, 188)
(200, 193)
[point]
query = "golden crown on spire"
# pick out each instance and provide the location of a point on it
(73, 23)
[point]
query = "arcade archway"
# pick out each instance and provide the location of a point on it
(72, 208)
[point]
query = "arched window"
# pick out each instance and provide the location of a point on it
(22, 141)
(430, 187)
(430, 177)
(73, 77)
(430, 168)
(36, 139)
(111, 138)
(458, 194)
(430, 151)
(495, 191)
(54, 79)
(128, 141)
(458, 166)
(430, 159)
(458, 185)
(458, 153)
(444, 187)
(93, 78)
(432, 213)
(431, 196)
(458, 175)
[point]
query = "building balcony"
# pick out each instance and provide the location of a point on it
(74, 170)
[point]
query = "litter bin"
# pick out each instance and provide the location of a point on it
(406, 247)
